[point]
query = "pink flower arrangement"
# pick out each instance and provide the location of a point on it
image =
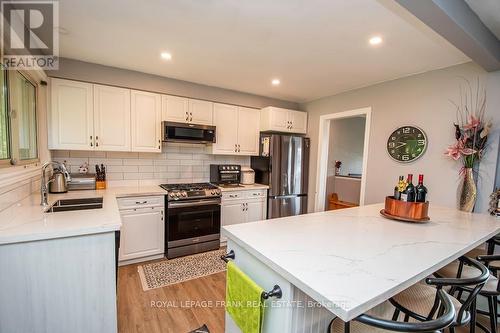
(471, 131)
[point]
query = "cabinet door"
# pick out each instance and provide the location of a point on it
(146, 121)
(248, 131)
(256, 210)
(298, 121)
(142, 233)
(174, 109)
(111, 118)
(200, 112)
(232, 213)
(71, 124)
(226, 123)
(279, 119)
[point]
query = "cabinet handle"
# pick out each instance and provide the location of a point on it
(141, 202)
(187, 116)
(91, 145)
(235, 148)
(191, 116)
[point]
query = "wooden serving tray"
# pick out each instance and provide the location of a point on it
(405, 211)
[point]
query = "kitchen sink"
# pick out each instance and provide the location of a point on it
(65, 205)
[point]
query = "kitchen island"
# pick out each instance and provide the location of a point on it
(343, 263)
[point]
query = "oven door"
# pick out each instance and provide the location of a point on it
(191, 222)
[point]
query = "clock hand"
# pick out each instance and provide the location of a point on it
(401, 144)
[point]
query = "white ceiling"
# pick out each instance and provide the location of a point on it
(315, 47)
(489, 12)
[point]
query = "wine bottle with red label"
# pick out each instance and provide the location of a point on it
(421, 190)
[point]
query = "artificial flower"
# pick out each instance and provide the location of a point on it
(486, 130)
(473, 123)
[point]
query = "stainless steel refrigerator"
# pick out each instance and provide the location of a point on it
(283, 164)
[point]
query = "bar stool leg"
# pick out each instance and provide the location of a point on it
(473, 314)
(493, 318)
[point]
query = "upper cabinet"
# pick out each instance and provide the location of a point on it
(237, 130)
(200, 112)
(283, 120)
(71, 116)
(174, 109)
(146, 121)
(86, 116)
(111, 118)
(185, 110)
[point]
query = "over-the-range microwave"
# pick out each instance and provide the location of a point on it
(188, 133)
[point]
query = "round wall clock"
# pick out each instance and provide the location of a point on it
(406, 144)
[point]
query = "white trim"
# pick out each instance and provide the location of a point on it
(324, 142)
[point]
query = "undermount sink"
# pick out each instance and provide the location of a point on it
(64, 205)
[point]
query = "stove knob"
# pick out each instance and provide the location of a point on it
(171, 195)
(212, 192)
(184, 194)
(217, 191)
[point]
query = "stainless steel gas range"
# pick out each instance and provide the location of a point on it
(193, 218)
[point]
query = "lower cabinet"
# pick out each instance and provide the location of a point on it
(242, 207)
(143, 230)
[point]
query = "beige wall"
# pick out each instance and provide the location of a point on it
(89, 72)
(421, 100)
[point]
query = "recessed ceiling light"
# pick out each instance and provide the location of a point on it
(275, 82)
(166, 56)
(375, 40)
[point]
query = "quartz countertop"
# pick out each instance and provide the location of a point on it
(243, 187)
(354, 259)
(27, 221)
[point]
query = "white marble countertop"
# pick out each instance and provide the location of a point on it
(353, 259)
(26, 220)
(243, 187)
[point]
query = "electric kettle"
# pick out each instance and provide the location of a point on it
(58, 183)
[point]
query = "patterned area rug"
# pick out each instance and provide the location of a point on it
(167, 272)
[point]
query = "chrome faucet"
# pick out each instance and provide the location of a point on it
(44, 193)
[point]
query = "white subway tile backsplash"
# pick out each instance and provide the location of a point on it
(146, 168)
(179, 156)
(191, 162)
(178, 163)
(137, 161)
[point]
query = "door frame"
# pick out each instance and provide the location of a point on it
(323, 148)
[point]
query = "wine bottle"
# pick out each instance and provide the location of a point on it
(409, 192)
(421, 190)
(400, 186)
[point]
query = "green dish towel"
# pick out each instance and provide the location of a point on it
(244, 300)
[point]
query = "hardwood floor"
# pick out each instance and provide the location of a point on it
(179, 308)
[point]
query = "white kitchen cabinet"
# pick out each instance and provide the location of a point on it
(283, 120)
(242, 207)
(298, 122)
(226, 123)
(71, 117)
(174, 109)
(255, 210)
(200, 112)
(111, 118)
(142, 235)
(237, 130)
(146, 121)
(186, 110)
(248, 131)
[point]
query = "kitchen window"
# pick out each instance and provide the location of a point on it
(18, 123)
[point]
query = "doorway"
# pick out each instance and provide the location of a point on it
(344, 140)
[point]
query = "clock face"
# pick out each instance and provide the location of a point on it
(406, 144)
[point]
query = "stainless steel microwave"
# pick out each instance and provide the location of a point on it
(190, 133)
